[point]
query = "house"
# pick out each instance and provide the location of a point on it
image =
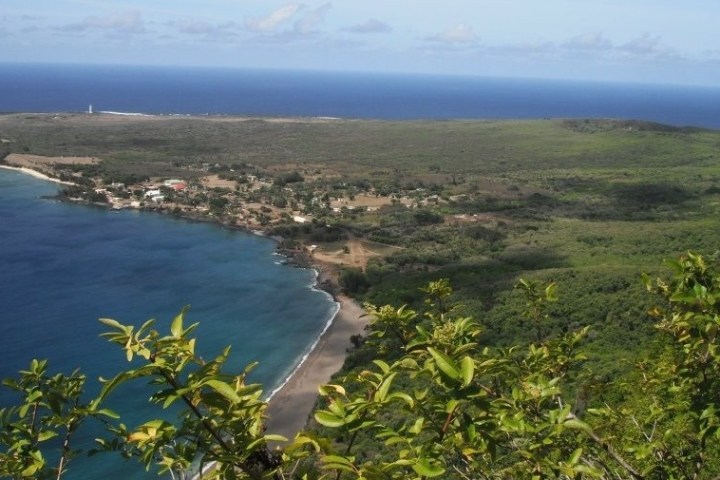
(299, 219)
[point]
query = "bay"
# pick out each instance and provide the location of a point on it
(62, 266)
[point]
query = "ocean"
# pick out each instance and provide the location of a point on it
(62, 266)
(200, 91)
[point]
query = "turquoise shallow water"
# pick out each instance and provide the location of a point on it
(63, 266)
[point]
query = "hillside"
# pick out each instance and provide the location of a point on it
(589, 204)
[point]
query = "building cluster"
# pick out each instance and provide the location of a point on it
(250, 201)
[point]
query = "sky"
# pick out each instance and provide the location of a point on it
(646, 41)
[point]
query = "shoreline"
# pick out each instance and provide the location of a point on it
(290, 404)
(313, 346)
(36, 174)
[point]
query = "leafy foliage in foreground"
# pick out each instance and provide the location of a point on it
(444, 407)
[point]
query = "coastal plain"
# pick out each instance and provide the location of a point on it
(382, 207)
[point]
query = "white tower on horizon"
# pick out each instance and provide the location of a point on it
(90, 109)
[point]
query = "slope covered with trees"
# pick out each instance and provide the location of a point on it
(434, 403)
(481, 380)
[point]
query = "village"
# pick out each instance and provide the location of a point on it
(254, 202)
(313, 213)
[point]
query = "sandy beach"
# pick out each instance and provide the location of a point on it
(291, 406)
(36, 174)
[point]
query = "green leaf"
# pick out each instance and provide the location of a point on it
(445, 364)
(467, 370)
(329, 419)
(337, 407)
(327, 388)
(30, 470)
(417, 426)
(176, 328)
(224, 389)
(426, 469)
(118, 379)
(112, 323)
(575, 456)
(382, 392)
(108, 413)
(402, 396)
(383, 365)
(46, 435)
(338, 462)
(577, 425)
(169, 400)
(34, 396)
(301, 441)
(550, 290)
(262, 440)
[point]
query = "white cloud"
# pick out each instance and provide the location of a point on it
(123, 22)
(370, 26)
(461, 33)
(200, 27)
(646, 45)
(538, 49)
(309, 23)
(590, 46)
(274, 19)
(588, 41)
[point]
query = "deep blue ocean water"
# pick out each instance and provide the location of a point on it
(197, 91)
(62, 266)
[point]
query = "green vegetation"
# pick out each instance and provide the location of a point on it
(586, 205)
(435, 404)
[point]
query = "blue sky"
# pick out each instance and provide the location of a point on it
(654, 41)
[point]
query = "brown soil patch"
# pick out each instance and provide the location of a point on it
(359, 252)
(213, 181)
(34, 161)
(367, 201)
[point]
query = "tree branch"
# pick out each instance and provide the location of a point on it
(611, 451)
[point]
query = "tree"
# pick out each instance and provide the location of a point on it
(441, 405)
(352, 280)
(50, 410)
(504, 413)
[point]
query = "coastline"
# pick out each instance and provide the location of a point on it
(290, 404)
(36, 174)
(313, 346)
